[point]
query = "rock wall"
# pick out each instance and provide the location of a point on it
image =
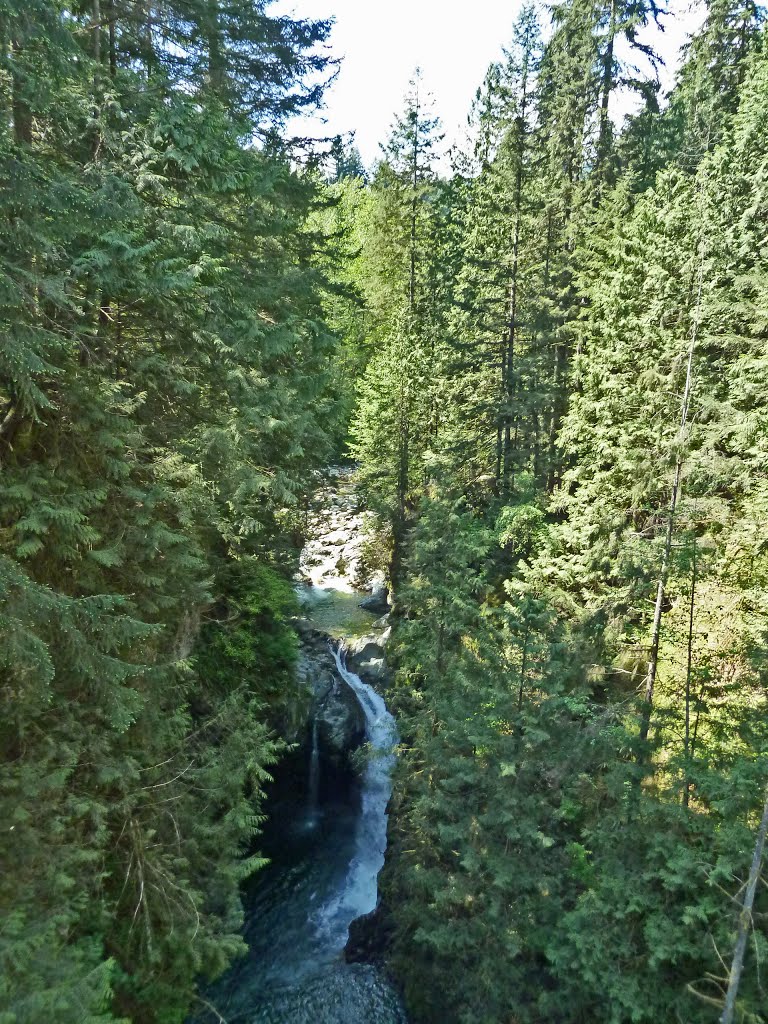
(333, 705)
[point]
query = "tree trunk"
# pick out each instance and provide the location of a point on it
(414, 210)
(509, 374)
(688, 672)
(500, 415)
(22, 116)
(96, 19)
(216, 65)
(523, 668)
(606, 88)
(650, 679)
(745, 921)
(112, 41)
(661, 588)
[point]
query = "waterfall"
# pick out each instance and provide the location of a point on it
(314, 774)
(359, 893)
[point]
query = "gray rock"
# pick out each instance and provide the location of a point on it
(330, 701)
(366, 657)
(370, 937)
(378, 602)
(340, 722)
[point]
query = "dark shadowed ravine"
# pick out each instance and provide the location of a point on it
(326, 834)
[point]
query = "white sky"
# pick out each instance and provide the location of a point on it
(381, 43)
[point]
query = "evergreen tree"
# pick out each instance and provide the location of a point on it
(583, 706)
(390, 439)
(162, 404)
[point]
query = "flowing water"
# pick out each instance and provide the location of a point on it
(326, 844)
(357, 895)
(314, 774)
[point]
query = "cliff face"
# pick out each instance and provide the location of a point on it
(340, 598)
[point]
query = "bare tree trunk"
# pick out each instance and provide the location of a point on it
(144, 10)
(112, 41)
(523, 668)
(745, 920)
(688, 672)
(98, 138)
(403, 473)
(96, 17)
(216, 64)
(558, 410)
(509, 369)
(22, 116)
(606, 89)
(500, 414)
(10, 420)
(414, 209)
(653, 659)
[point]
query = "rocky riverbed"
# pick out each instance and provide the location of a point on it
(341, 601)
(339, 594)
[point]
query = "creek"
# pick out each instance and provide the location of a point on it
(327, 828)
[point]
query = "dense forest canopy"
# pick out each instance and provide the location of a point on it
(549, 363)
(165, 392)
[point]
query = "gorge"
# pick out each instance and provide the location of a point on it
(327, 827)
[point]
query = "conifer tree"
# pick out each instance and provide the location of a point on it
(161, 405)
(390, 439)
(583, 706)
(489, 363)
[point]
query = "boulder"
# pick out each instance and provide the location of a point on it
(328, 699)
(370, 938)
(367, 659)
(378, 602)
(303, 627)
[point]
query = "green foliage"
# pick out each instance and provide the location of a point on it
(520, 528)
(580, 617)
(557, 363)
(250, 638)
(163, 404)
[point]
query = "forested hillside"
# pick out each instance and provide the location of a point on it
(164, 397)
(562, 428)
(548, 358)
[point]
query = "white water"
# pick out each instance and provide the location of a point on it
(314, 773)
(359, 892)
